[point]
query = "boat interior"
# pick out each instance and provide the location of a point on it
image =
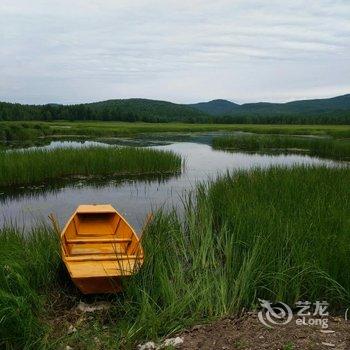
(101, 243)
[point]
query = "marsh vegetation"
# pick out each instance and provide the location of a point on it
(11, 131)
(278, 234)
(321, 147)
(33, 166)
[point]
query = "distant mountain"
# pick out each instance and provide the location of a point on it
(303, 107)
(148, 108)
(216, 107)
(55, 104)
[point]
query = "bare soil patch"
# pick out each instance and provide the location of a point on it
(248, 333)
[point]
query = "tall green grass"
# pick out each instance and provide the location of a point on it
(23, 131)
(94, 128)
(29, 271)
(100, 128)
(279, 234)
(338, 149)
(38, 165)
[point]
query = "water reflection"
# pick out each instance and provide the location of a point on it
(96, 182)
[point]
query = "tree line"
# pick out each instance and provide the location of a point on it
(154, 113)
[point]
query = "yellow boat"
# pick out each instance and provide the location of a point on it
(98, 248)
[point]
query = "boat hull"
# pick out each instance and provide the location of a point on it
(98, 285)
(99, 248)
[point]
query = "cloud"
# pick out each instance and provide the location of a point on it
(89, 50)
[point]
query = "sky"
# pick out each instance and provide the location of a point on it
(182, 51)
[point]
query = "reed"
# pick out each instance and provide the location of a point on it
(93, 128)
(19, 130)
(24, 131)
(279, 234)
(29, 271)
(39, 165)
(322, 147)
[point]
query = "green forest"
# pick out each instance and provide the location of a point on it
(131, 110)
(324, 111)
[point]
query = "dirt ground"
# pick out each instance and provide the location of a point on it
(244, 333)
(248, 333)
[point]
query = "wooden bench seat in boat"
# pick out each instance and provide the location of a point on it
(84, 240)
(104, 269)
(100, 257)
(96, 248)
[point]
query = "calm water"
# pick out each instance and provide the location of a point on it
(136, 197)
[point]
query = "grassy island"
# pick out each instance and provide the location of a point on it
(33, 166)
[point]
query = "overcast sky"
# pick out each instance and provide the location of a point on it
(72, 51)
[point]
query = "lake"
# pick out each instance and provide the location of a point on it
(136, 197)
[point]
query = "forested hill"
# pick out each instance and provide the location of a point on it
(330, 110)
(130, 110)
(216, 107)
(323, 111)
